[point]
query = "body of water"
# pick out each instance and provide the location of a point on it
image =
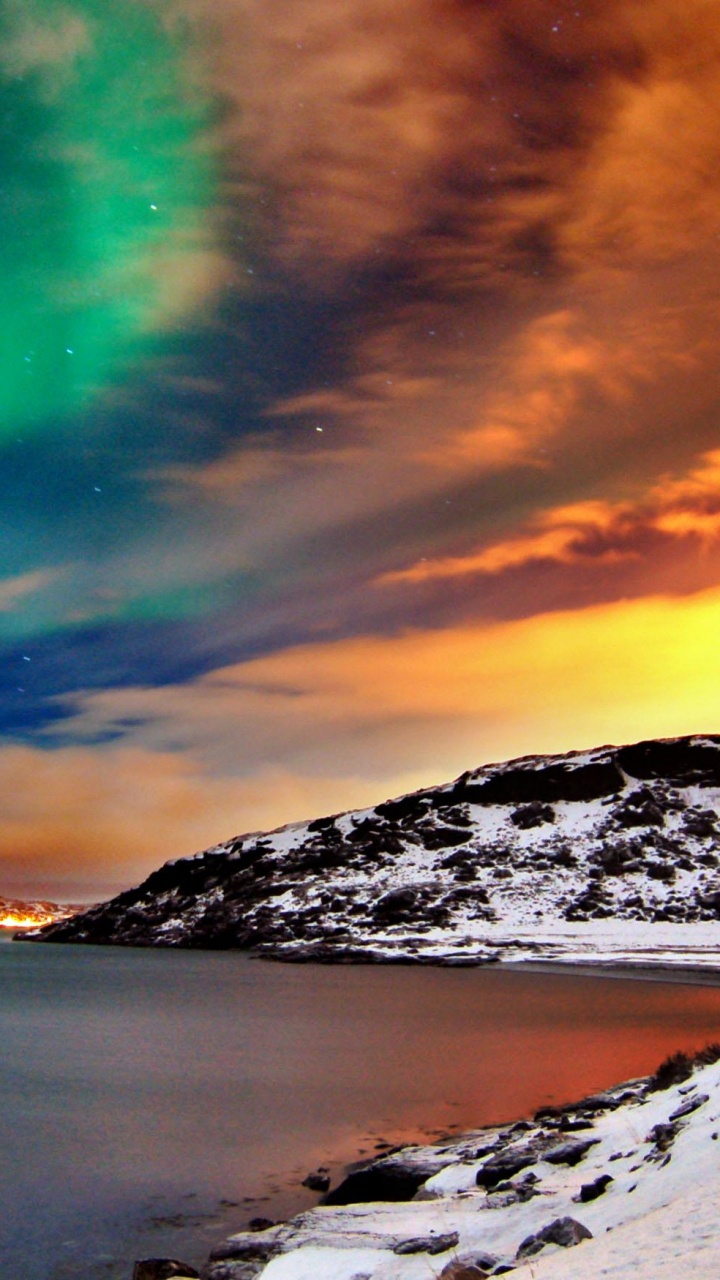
(153, 1101)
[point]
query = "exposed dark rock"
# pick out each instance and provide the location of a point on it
(428, 1244)
(591, 1190)
(660, 871)
(570, 1153)
(640, 809)
(589, 903)
(316, 1182)
(711, 900)
(395, 905)
(616, 859)
(323, 824)
(434, 837)
(504, 1166)
(563, 1231)
(385, 1179)
(465, 1271)
(663, 1135)
(681, 761)
(463, 858)
(691, 1104)
(596, 1103)
(573, 1126)
(532, 815)
(702, 825)
(547, 784)
(412, 806)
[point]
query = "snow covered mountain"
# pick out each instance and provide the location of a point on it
(606, 854)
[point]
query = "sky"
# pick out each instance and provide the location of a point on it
(359, 406)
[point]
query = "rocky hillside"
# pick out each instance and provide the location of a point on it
(544, 843)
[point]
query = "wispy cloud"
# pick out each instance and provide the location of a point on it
(15, 590)
(595, 532)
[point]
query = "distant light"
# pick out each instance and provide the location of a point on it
(24, 922)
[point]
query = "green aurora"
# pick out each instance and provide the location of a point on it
(108, 184)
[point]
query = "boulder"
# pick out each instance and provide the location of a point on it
(532, 815)
(465, 1271)
(504, 1166)
(686, 1108)
(246, 1246)
(316, 1181)
(591, 1190)
(431, 1244)
(570, 1153)
(382, 1180)
(395, 905)
(563, 1231)
(640, 809)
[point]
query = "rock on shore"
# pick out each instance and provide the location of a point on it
(630, 1178)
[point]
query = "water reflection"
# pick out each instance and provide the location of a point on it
(146, 1085)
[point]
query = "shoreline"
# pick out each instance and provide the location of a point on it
(702, 976)
(522, 1195)
(682, 974)
(298, 1226)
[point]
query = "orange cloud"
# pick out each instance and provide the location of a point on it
(593, 532)
(567, 535)
(549, 367)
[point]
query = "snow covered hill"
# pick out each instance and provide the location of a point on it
(607, 854)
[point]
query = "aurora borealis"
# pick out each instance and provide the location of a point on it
(387, 443)
(102, 186)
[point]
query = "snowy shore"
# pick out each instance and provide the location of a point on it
(661, 947)
(625, 1183)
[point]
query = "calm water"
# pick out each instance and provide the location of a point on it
(151, 1102)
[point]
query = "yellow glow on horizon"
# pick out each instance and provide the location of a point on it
(24, 922)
